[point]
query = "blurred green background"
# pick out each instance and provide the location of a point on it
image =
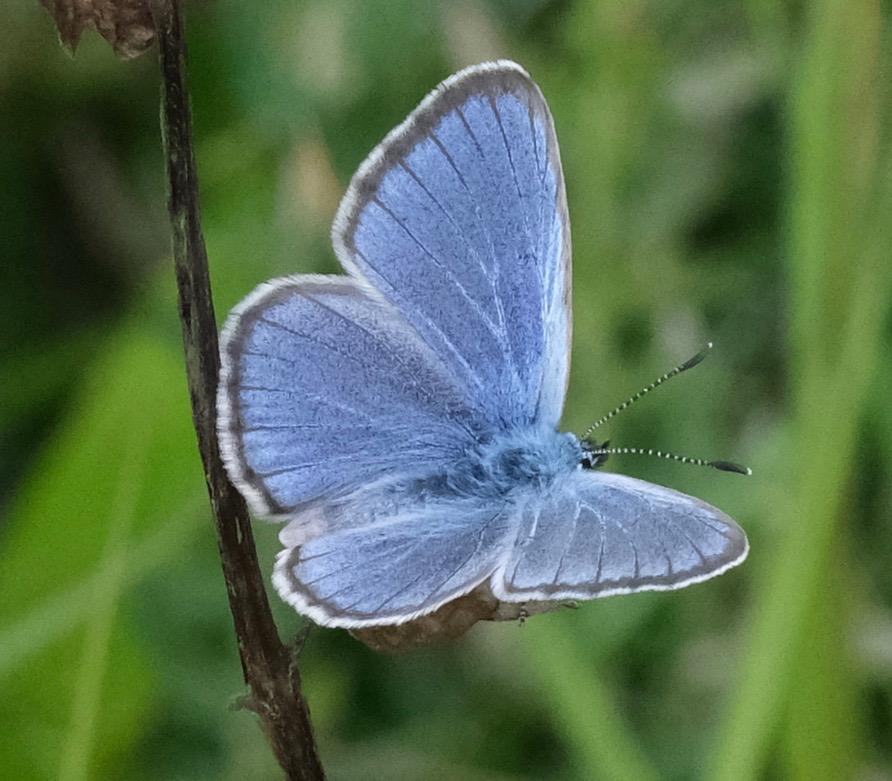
(728, 168)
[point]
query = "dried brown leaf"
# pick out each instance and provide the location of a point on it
(125, 24)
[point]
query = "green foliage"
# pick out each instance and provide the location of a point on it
(729, 175)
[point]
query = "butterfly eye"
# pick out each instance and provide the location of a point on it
(593, 454)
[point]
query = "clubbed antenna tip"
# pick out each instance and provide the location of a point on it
(730, 466)
(698, 358)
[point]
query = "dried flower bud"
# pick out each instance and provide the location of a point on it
(452, 620)
(125, 24)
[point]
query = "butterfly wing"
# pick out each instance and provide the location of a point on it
(459, 218)
(455, 321)
(404, 566)
(600, 534)
(323, 387)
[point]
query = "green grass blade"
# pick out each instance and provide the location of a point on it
(840, 284)
(590, 722)
(822, 736)
(61, 613)
(76, 749)
(57, 540)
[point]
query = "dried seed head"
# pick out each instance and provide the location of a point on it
(126, 24)
(451, 621)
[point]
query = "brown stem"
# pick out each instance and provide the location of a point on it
(268, 666)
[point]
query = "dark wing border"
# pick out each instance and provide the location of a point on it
(490, 79)
(232, 337)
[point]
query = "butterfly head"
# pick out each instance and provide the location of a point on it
(593, 454)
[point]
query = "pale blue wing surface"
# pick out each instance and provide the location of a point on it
(459, 218)
(325, 387)
(598, 534)
(395, 570)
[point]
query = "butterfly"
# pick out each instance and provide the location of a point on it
(402, 418)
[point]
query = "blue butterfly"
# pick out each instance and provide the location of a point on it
(403, 418)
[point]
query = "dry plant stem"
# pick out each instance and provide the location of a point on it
(269, 669)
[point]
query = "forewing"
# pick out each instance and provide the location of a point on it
(459, 218)
(396, 570)
(325, 387)
(600, 534)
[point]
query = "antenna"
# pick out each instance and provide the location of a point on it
(688, 364)
(722, 466)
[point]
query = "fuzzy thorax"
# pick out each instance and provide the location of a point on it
(516, 460)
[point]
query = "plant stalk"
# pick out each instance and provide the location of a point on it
(269, 668)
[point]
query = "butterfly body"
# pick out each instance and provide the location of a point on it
(402, 418)
(513, 462)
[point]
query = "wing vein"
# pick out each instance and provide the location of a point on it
(521, 203)
(446, 213)
(371, 368)
(473, 553)
(306, 465)
(708, 525)
(434, 327)
(394, 354)
(493, 272)
(690, 541)
(566, 550)
(300, 427)
(497, 266)
(600, 549)
(475, 305)
(396, 593)
(502, 335)
(327, 401)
